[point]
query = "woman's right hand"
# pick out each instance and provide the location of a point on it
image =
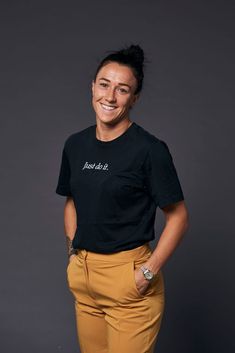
(71, 257)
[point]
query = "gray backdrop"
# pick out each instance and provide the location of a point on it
(49, 52)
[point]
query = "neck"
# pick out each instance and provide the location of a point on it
(107, 132)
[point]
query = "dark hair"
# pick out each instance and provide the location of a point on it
(132, 56)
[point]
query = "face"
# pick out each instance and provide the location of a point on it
(113, 92)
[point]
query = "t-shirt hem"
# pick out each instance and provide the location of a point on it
(62, 192)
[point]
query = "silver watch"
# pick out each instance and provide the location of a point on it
(147, 273)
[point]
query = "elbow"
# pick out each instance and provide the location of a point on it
(178, 215)
(183, 218)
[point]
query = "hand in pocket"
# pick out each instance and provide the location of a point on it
(141, 283)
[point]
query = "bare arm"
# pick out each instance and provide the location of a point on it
(176, 224)
(175, 227)
(70, 224)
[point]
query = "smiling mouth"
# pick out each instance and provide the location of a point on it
(107, 107)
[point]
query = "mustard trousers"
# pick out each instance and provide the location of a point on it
(112, 316)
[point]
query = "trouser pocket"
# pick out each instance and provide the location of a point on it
(129, 290)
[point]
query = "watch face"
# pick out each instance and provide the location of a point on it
(149, 275)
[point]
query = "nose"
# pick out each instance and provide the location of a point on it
(111, 95)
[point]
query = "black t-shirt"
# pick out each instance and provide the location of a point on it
(116, 187)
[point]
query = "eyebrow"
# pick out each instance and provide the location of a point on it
(121, 84)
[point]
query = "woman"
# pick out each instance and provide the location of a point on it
(115, 174)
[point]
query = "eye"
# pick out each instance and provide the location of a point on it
(123, 90)
(103, 84)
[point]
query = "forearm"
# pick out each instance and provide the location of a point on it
(170, 238)
(70, 225)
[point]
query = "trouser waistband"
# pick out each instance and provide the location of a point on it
(124, 255)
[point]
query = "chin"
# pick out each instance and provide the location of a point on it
(108, 121)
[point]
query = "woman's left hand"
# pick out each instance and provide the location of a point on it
(141, 283)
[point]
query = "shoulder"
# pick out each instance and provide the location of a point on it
(77, 138)
(153, 144)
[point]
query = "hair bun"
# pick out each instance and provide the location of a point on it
(136, 52)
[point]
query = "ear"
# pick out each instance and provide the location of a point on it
(135, 98)
(92, 87)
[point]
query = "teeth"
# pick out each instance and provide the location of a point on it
(108, 107)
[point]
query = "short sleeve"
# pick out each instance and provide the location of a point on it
(162, 180)
(63, 185)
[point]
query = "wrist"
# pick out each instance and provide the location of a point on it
(151, 268)
(72, 253)
(70, 249)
